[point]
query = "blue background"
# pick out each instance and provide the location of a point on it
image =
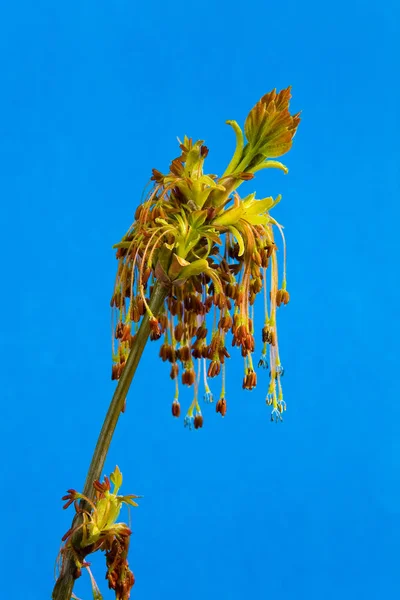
(93, 95)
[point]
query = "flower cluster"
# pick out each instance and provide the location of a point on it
(99, 531)
(213, 252)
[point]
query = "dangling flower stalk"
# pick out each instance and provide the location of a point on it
(189, 270)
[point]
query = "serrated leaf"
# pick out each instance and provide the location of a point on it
(269, 126)
(255, 122)
(277, 149)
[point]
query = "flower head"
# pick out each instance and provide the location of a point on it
(213, 252)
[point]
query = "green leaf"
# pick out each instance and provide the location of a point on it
(238, 238)
(230, 216)
(271, 164)
(129, 500)
(194, 268)
(116, 479)
(122, 245)
(258, 207)
(255, 123)
(238, 150)
(197, 218)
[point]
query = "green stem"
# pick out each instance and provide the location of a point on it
(65, 582)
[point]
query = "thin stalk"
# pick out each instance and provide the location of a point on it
(65, 582)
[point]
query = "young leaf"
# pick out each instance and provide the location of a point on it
(116, 479)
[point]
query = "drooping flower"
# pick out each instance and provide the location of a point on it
(213, 252)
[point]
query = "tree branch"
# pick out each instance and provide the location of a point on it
(65, 582)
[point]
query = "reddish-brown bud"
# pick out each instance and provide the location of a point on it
(188, 377)
(282, 297)
(155, 330)
(264, 259)
(157, 176)
(176, 408)
(245, 176)
(221, 407)
(256, 257)
(146, 275)
(174, 371)
(198, 421)
(179, 329)
(184, 353)
(250, 380)
(141, 306)
(214, 368)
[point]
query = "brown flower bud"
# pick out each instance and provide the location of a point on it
(245, 176)
(140, 305)
(285, 296)
(188, 377)
(163, 322)
(198, 421)
(157, 176)
(257, 285)
(250, 380)
(221, 407)
(201, 332)
(176, 408)
(119, 330)
(266, 334)
(115, 372)
(126, 333)
(214, 368)
(256, 257)
(155, 330)
(179, 329)
(164, 352)
(264, 259)
(184, 353)
(174, 371)
(269, 249)
(139, 209)
(134, 313)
